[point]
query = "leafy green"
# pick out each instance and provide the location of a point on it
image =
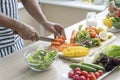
(84, 39)
(110, 51)
(42, 58)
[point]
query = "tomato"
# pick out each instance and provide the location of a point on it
(71, 74)
(118, 13)
(92, 32)
(85, 73)
(82, 78)
(97, 75)
(92, 27)
(88, 76)
(77, 69)
(78, 72)
(100, 72)
(93, 77)
(88, 79)
(76, 77)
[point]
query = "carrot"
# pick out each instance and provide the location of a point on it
(65, 45)
(59, 40)
(55, 43)
(62, 37)
(75, 44)
(73, 35)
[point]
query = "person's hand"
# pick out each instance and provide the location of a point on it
(27, 32)
(54, 28)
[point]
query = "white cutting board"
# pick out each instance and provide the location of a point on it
(92, 51)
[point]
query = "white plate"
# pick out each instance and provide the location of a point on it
(65, 75)
(113, 30)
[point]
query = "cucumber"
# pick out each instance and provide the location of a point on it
(83, 67)
(97, 67)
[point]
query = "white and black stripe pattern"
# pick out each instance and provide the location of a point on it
(8, 41)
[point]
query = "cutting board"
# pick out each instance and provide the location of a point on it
(92, 51)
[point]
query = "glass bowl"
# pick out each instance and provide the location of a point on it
(40, 60)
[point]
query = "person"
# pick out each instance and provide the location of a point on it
(12, 31)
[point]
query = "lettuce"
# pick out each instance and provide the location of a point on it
(110, 51)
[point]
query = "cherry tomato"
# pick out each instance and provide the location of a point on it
(92, 32)
(78, 72)
(88, 79)
(71, 74)
(93, 77)
(97, 75)
(82, 78)
(118, 13)
(88, 76)
(76, 77)
(100, 72)
(92, 27)
(77, 69)
(84, 73)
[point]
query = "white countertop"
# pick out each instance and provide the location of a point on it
(74, 4)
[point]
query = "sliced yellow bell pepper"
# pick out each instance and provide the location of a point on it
(76, 51)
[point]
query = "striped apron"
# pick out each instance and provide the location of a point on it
(9, 42)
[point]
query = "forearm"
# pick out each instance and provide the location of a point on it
(9, 22)
(34, 9)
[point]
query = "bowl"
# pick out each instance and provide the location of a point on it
(116, 25)
(40, 60)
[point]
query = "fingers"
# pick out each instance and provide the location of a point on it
(36, 36)
(60, 29)
(32, 35)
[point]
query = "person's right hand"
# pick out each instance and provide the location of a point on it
(27, 32)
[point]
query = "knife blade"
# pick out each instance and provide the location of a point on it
(45, 39)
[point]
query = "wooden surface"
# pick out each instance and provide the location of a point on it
(13, 67)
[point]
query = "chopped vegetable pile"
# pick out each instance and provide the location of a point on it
(88, 37)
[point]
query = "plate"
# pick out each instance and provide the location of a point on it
(65, 75)
(113, 30)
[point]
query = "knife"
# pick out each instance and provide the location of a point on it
(45, 39)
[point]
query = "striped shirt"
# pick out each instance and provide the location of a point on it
(9, 42)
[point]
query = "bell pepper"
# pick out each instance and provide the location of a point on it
(76, 51)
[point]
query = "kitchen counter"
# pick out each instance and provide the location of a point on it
(13, 67)
(74, 4)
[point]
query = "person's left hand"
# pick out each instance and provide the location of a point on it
(54, 28)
